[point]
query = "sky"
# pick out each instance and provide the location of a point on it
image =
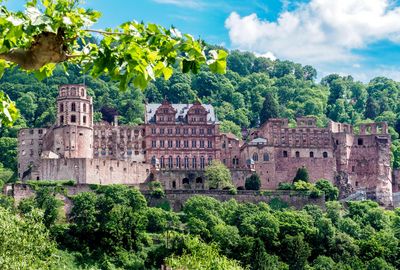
(350, 37)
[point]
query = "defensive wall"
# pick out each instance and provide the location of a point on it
(177, 198)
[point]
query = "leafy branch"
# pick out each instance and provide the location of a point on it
(49, 32)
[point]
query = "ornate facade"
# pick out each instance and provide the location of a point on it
(177, 141)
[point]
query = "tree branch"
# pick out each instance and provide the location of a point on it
(106, 32)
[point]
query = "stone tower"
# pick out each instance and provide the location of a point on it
(73, 133)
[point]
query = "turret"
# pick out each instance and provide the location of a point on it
(73, 134)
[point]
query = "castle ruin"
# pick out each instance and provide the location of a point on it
(177, 141)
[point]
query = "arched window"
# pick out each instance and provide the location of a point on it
(311, 154)
(255, 157)
(84, 107)
(199, 180)
(82, 92)
(178, 162)
(325, 154)
(202, 162)
(297, 154)
(170, 162)
(73, 107)
(185, 181)
(186, 162)
(73, 118)
(266, 157)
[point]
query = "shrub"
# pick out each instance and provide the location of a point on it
(303, 185)
(278, 204)
(301, 174)
(285, 186)
(156, 189)
(232, 191)
(253, 182)
(331, 192)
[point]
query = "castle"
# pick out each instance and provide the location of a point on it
(177, 141)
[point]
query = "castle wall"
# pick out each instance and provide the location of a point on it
(30, 143)
(106, 172)
(177, 198)
(119, 142)
(64, 169)
(95, 171)
(195, 179)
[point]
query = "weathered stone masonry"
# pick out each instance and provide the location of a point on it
(177, 141)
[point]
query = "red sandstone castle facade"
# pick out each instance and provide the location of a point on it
(177, 141)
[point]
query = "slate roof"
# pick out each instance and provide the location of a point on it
(181, 111)
(258, 141)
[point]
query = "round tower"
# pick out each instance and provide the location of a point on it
(73, 134)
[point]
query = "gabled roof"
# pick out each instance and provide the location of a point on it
(181, 111)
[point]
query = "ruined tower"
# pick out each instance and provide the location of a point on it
(73, 133)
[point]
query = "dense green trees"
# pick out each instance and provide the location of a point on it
(218, 175)
(111, 227)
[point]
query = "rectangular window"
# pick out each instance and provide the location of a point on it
(161, 131)
(153, 144)
(210, 144)
(194, 144)
(185, 131)
(193, 131)
(169, 144)
(186, 144)
(178, 131)
(209, 131)
(178, 144)
(169, 131)
(201, 131)
(201, 144)
(161, 143)
(153, 131)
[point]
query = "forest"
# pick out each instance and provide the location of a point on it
(113, 228)
(252, 90)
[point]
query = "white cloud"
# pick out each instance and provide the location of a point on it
(195, 4)
(320, 31)
(269, 55)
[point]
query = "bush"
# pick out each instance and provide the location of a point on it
(253, 182)
(303, 185)
(156, 189)
(331, 192)
(278, 204)
(301, 174)
(285, 186)
(233, 191)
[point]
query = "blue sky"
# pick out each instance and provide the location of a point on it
(356, 37)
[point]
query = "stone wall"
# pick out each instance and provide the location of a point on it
(396, 180)
(95, 171)
(177, 198)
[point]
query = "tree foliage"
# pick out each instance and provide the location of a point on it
(218, 175)
(253, 182)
